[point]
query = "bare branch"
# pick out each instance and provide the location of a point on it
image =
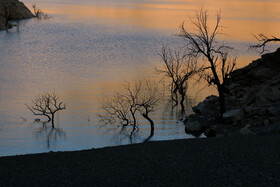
(179, 68)
(136, 99)
(264, 40)
(204, 45)
(46, 105)
(39, 14)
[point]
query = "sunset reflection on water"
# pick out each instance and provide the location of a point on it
(240, 18)
(90, 48)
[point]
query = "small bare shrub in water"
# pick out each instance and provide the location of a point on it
(46, 104)
(124, 108)
(179, 68)
(39, 14)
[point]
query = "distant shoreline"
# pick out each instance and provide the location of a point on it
(229, 161)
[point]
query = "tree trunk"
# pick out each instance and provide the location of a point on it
(134, 120)
(219, 86)
(222, 100)
(145, 115)
(174, 93)
(183, 95)
(182, 110)
(52, 120)
(182, 92)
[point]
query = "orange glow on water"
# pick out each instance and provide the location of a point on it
(239, 18)
(91, 47)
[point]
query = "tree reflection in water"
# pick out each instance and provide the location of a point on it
(123, 137)
(49, 134)
(180, 112)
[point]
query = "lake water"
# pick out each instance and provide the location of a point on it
(89, 49)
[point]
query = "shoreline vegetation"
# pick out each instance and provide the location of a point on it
(252, 102)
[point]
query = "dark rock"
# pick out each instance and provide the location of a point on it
(233, 116)
(194, 126)
(266, 122)
(252, 100)
(210, 132)
(210, 106)
(245, 130)
(15, 9)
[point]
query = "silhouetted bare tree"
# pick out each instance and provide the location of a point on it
(36, 10)
(39, 13)
(122, 108)
(264, 40)
(148, 99)
(46, 104)
(203, 43)
(179, 68)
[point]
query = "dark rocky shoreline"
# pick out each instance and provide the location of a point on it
(252, 102)
(12, 10)
(228, 161)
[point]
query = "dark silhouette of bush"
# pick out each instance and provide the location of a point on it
(122, 108)
(46, 104)
(204, 45)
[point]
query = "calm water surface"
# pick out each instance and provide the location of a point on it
(89, 49)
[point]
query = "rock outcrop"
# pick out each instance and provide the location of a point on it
(252, 101)
(12, 10)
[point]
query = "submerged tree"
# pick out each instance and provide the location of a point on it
(203, 43)
(39, 13)
(179, 68)
(46, 104)
(147, 102)
(123, 108)
(36, 11)
(264, 40)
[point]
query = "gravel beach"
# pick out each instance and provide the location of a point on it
(229, 161)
